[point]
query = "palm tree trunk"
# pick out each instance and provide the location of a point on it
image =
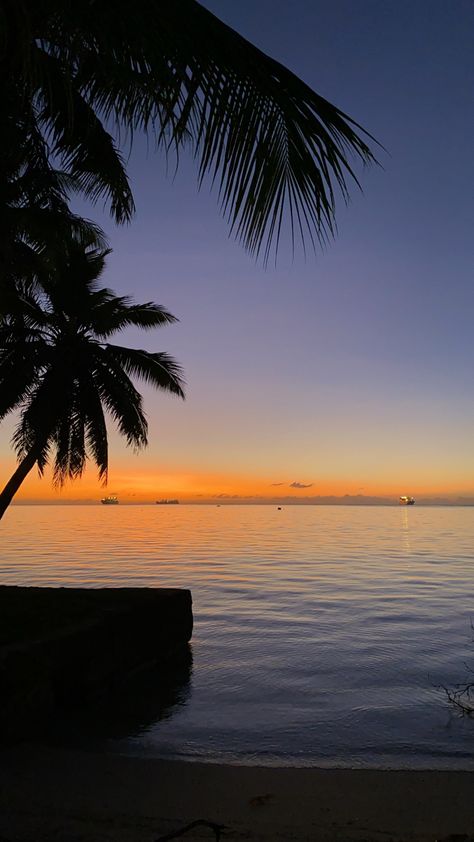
(16, 480)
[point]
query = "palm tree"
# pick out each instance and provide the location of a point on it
(59, 370)
(36, 218)
(274, 147)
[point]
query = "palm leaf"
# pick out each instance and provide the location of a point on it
(39, 418)
(24, 355)
(69, 438)
(112, 314)
(18, 375)
(159, 370)
(277, 151)
(121, 399)
(80, 141)
(95, 426)
(37, 222)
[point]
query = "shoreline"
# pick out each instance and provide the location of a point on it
(75, 795)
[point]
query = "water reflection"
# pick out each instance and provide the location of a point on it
(406, 543)
(131, 709)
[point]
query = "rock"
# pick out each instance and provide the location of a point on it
(60, 648)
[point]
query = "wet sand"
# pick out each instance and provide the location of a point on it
(49, 794)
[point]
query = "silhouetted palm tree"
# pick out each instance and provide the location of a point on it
(36, 218)
(58, 368)
(175, 71)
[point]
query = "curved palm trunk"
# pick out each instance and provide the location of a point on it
(16, 480)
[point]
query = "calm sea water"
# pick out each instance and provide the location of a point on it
(321, 633)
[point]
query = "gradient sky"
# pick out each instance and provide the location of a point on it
(350, 372)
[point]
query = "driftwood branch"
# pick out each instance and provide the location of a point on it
(217, 829)
(462, 697)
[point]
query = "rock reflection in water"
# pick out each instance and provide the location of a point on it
(131, 708)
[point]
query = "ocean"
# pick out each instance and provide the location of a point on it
(323, 634)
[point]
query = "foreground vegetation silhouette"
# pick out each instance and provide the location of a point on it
(37, 222)
(73, 72)
(59, 370)
(78, 81)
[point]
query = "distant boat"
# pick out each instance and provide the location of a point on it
(111, 500)
(166, 502)
(407, 501)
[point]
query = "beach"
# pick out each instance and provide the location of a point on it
(57, 794)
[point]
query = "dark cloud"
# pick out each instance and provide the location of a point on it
(277, 483)
(301, 485)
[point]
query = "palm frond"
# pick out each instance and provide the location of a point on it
(80, 141)
(159, 370)
(112, 314)
(121, 400)
(276, 150)
(18, 375)
(24, 355)
(71, 286)
(95, 426)
(37, 222)
(39, 418)
(273, 146)
(68, 439)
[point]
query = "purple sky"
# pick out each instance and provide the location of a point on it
(354, 367)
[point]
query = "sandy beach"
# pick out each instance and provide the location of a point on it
(57, 794)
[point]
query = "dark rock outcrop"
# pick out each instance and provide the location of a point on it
(60, 648)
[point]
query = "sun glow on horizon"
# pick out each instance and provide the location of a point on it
(151, 483)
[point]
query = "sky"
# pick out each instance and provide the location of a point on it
(349, 372)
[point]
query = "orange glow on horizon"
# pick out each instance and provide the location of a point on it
(152, 483)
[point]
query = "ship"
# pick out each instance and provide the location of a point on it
(406, 501)
(166, 502)
(111, 500)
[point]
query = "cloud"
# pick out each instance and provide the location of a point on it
(277, 483)
(301, 485)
